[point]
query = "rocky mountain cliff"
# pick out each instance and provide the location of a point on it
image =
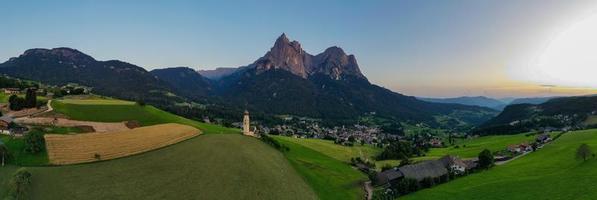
(290, 56)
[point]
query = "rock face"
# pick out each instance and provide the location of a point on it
(289, 56)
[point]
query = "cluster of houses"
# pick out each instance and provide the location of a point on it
(426, 169)
(7, 127)
(300, 127)
(525, 147)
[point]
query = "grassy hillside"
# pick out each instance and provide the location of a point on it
(340, 152)
(107, 110)
(470, 148)
(227, 166)
(550, 173)
(330, 178)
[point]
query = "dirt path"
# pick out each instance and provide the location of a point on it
(368, 190)
(97, 126)
(507, 161)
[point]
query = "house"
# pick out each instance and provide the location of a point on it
(419, 171)
(454, 164)
(471, 163)
(543, 138)
(525, 147)
(388, 177)
(12, 90)
(437, 143)
(5, 122)
(514, 148)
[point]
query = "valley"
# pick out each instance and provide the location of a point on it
(289, 125)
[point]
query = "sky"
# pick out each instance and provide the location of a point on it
(428, 48)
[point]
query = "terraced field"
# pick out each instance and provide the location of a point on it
(90, 147)
(550, 173)
(113, 110)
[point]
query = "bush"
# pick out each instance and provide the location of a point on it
(274, 143)
(485, 159)
(140, 102)
(19, 183)
(34, 141)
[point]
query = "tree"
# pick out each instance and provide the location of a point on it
(3, 153)
(486, 159)
(140, 102)
(19, 183)
(15, 102)
(34, 142)
(30, 98)
(583, 152)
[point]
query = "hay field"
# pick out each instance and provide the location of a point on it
(82, 148)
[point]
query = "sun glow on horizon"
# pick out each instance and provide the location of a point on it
(570, 59)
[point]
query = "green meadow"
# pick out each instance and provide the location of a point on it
(223, 166)
(329, 177)
(340, 152)
(549, 173)
(470, 148)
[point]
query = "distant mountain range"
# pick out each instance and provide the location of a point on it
(497, 104)
(473, 101)
(286, 80)
(218, 73)
(556, 113)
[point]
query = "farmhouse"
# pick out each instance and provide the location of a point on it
(5, 122)
(388, 177)
(12, 90)
(543, 138)
(419, 171)
(437, 143)
(454, 164)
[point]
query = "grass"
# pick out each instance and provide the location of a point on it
(550, 173)
(340, 152)
(226, 166)
(59, 129)
(470, 148)
(97, 102)
(6, 174)
(330, 178)
(108, 111)
(16, 148)
(4, 97)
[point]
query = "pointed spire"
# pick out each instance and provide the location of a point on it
(282, 41)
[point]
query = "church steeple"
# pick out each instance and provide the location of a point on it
(247, 124)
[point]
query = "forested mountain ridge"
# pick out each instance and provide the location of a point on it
(286, 80)
(555, 113)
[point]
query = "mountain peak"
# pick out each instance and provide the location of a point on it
(291, 57)
(285, 55)
(65, 53)
(282, 39)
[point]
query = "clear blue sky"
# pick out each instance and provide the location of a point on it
(426, 48)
